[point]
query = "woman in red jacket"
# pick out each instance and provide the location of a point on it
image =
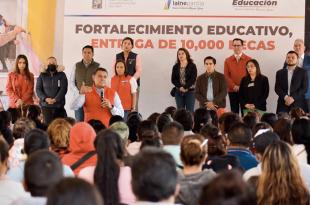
(126, 87)
(20, 84)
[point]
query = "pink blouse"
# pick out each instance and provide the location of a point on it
(124, 182)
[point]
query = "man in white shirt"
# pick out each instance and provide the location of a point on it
(101, 102)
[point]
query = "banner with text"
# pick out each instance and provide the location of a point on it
(160, 27)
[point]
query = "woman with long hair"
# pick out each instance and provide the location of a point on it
(184, 74)
(280, 182)
(20, 84)
(126, 86)
(218, 159)
(110, 175)
(254, 88)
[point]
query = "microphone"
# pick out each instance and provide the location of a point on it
(101, 95)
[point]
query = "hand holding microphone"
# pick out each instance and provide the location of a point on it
(105, 103)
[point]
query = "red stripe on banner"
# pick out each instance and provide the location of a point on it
(186, 16)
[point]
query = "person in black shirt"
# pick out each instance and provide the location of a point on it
(254, 88)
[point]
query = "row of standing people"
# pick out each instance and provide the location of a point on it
(247, 87)
(52, 86)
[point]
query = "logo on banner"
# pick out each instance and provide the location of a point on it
(184, 4)
(98, 4)
(167, 4)
(255, 4)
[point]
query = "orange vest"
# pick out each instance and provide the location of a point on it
(92, 106)
(122, 86)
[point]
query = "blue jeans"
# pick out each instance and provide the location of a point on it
(185, 100)
(79, 114)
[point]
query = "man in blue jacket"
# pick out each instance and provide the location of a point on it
(51, 88)
(303, 62)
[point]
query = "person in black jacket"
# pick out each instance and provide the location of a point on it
(291, 85)
(184, 74)
(254, 88)
(51, 88)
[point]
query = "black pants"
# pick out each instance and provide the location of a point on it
(49, 114)
(234, 102)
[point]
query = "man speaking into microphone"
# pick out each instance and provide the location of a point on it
(102, 102)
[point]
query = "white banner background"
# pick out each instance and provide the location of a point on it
(157, 62)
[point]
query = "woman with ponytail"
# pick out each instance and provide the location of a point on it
(218, 159)
(192, 178)
(110, 175)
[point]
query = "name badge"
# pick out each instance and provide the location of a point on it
(124, 81)
(250, 85)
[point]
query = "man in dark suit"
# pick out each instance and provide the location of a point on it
(291, 84)
(211, 88)
(303, 62)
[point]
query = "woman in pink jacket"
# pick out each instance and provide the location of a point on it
(20, 84)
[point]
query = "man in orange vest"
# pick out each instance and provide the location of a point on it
(102, 102)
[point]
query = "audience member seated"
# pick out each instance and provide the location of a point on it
(15, 113)
(171, 136)
(163, 120)
(111, 177)
(227, 120)
(201, 117)
(283, 127)
(297, 113)
(260, 144)
(207, 130)
(251, 119)
(59, 132)
(20, 128)
(261, 126)
(228, 188)
(280, 181)
(35, 140)
(301, 137)
(185, 118)
(153, 117)
(34, 113)
(218, 159)
(73, 191)
(239, 138)
(146, 125)
(215, 117)
(133, 121)
(269, 118)
(5, 123)
(81, 145)
(170, 110)
(43, 170)
(154, 177)
(115, 118)
(9, 190)
(150, 141)
(122, 129)
(71, 120)
(97, 125)
(192, 178)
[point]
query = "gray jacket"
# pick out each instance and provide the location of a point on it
(191, 186)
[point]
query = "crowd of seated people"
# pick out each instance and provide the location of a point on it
(173, 156)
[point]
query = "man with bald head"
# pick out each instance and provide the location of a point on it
(303, 62)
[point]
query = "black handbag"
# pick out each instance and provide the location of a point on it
(172, 92)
